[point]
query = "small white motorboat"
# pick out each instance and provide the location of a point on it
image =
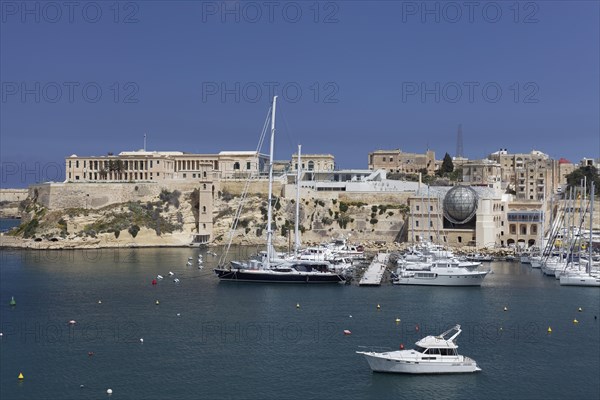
(176, 280)
(171, 273)
(159, 276)
(432, 355)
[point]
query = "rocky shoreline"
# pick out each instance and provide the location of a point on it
(9, 242)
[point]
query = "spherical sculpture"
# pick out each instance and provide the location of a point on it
(460, 204)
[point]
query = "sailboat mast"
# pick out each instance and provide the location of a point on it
(296, 225)
(270, 201)
(590, 245)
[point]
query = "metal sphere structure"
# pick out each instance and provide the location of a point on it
(460, 204)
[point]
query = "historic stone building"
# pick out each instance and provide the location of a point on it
(397, 161)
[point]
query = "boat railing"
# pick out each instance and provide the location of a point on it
(375, 349)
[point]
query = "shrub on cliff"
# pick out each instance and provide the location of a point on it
(171, 198)
(343, 207)
(133, 230)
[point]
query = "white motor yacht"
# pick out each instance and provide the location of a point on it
(442, 273)
(432, 355)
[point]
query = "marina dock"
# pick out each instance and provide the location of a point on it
(374, 274)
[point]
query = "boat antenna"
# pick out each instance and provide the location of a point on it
(270, 201)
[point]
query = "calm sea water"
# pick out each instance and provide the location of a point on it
(238, 341)
(7, 224)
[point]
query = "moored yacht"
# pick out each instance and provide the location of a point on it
(441, 273)
(270, 268)
(431, 355)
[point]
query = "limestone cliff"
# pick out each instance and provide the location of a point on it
(171, 218)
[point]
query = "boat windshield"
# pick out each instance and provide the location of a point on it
(420, 349)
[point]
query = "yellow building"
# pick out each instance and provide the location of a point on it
(397, 161)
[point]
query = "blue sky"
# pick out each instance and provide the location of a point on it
(353, 77)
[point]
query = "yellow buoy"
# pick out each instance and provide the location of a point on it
(297, 305)
(378, 307)
(397, 320)
(549, 330)
(21, 377)
(575, 321)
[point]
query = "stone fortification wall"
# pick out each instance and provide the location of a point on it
(235, 187)
(97, 195)
(289, 192)
(12, 195)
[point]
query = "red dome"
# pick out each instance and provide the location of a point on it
(564, 161)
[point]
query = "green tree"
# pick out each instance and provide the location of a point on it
(589, 172)
(447, 166)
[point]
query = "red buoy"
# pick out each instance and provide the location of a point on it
(417, 328)
(401, 346)
(154, 281)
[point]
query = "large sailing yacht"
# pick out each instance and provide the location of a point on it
(268, 268)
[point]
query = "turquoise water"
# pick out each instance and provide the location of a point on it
(235, 340)
(7, 224)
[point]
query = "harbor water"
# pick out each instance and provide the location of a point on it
(205, 339)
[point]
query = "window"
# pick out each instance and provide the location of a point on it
(416, 223)
(534, 229)
(157, 162)
(84, 164)
(204, 174)
(204, 186)
(193, 175)
(150, 163)
(459, 239)
(204, 209)
(76, 177)
(77, 164)
(69, 163)
(248, 165)
(311, 165)
(417, 208)
(431, 224)
(383, 159)
(236, 165)
(184, 175)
